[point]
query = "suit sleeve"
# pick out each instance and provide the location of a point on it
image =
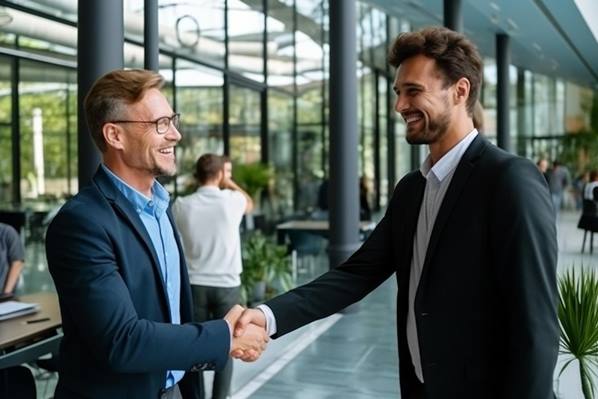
(338, 288)
(101, 315)
(525, 251)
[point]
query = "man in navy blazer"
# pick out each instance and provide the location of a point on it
(117, 263)
(470, 237)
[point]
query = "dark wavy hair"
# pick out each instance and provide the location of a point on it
(455, 55)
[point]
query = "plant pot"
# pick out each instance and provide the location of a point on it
(258, 291)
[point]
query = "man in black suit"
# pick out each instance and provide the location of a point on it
(470, 237)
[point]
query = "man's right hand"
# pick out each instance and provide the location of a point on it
(249, 342)
(249, 320)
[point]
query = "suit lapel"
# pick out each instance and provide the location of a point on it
(457, 184)
(126, 210)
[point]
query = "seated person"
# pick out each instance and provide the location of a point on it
(12, 257)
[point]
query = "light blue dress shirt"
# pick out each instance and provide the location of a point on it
(152, 212)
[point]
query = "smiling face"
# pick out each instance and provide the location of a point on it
(145, 150)
(136, 152)
(422, 100)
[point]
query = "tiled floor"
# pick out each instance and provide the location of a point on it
(350, 356)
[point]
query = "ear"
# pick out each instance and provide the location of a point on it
(462, 88)
(113, 135)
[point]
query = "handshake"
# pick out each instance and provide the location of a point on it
(249, 335)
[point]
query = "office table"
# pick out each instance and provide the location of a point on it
(22, 342)
(318, 227)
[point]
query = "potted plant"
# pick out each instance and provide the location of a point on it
(252, 177)
(264, 263)
(578, 319)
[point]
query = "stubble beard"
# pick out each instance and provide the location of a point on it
(158, 170)
(433, 129)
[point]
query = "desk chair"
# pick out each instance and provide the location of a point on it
(307, 246)
(17, 382)
(588, 222)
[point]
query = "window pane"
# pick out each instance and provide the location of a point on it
(246, 34)
(280, 126)
(245, 122)
(280, 45)
(48, 129)
(199, 101)
(194, 28)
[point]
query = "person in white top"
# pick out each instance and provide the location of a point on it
(590, 191)
(208, 221)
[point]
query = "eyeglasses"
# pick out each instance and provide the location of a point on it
(162, 124)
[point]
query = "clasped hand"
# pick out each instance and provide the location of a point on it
(249, 333)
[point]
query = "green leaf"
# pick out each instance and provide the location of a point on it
(578, 319)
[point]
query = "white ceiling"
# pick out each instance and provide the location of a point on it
(551, 37)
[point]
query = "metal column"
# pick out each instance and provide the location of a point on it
(453, 15)
(521, 117)
(503, 135)
(151, 45)
(343, 186)
(100, 40)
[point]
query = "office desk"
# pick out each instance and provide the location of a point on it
(22, 342)
(318, 227)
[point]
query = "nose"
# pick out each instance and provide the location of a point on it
(173, 133)
(401, 104)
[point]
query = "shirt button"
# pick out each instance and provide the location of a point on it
(150, 204)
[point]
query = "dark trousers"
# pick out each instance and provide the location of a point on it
(210, 303)
(415, 390)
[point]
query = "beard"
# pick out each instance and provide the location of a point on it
(433, 129)
(162, 171)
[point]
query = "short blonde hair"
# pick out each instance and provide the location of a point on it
(111, 93)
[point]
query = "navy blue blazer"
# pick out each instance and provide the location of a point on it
(485, 306)
(118, 341)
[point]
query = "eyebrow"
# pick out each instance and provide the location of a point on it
(408, 85)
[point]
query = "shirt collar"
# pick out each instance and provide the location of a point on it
(156, 205)
(208, 188)
(449, 161)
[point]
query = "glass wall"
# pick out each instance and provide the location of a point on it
(233, 66)
(309, 38)
(246, 39)
(280, 144)
(199, 100)
(47, 105)
(245, 125)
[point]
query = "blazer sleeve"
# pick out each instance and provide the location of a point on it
(525, 252)
(98, 310)
(340, 287)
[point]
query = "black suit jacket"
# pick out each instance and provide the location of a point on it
(118, 341)
(486, 302)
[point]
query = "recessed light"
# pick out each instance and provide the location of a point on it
(512, 25)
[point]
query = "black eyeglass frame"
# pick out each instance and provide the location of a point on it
(173, 120)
